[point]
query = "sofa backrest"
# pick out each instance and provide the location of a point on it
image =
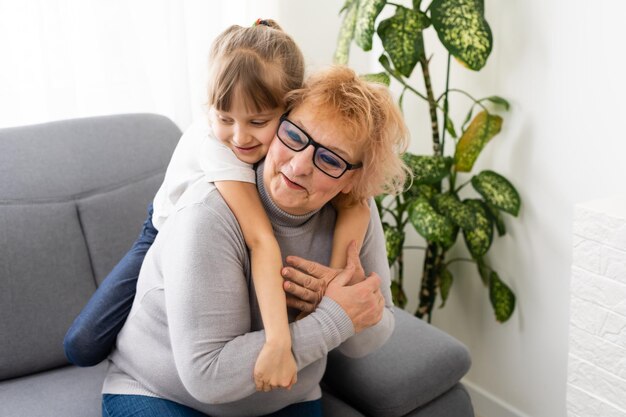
(73, 196)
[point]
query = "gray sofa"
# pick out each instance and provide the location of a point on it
(72, 199)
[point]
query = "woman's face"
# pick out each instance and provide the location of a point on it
(294, 183)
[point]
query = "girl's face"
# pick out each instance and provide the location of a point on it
(295, 184)
(246, 132)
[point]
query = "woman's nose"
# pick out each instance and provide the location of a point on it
(302, 162)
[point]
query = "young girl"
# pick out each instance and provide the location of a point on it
(251, 70)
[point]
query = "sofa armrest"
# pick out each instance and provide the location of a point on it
(417, 364)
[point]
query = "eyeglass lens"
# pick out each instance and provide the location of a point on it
(326, 160)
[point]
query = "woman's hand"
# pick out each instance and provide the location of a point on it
(306, 281)
(362, 302)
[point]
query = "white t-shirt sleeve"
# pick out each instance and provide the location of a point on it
(219, 163)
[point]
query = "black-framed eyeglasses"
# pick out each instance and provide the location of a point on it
(327, 161)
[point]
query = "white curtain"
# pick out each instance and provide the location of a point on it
(62, 59)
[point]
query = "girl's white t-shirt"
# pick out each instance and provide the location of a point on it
(198, 161)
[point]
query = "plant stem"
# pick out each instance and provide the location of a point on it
(462, 185)
(415, 247)
(388, 211)
(432, 104)
(457, 90)
(394, 4)
(405, 85)
(452, 178)
(430, 277)
(445, 106)
(401, 100)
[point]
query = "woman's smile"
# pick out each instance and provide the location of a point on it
(292, 184)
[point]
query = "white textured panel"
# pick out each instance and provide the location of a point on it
(587, 255)
(613, 264)
(605, 292)
(580, 403)
(597, 382)
(605, 354)
(596, 225)
(586, 315)
(614, 329)
(597, 354)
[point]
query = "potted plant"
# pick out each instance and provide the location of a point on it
(434, 202)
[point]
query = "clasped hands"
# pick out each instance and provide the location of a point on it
(307, 282)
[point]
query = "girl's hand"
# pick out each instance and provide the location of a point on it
(275, 367)
(306, 281)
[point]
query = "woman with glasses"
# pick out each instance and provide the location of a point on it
(192, 343)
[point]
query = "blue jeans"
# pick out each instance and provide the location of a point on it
(92, 336)
(114, 405)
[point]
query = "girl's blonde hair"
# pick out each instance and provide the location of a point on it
(365, 113)
(260, 62)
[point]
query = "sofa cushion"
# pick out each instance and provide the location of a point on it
(73, 196)
(335, 407)
(456, 402)
(113, 219)
(63, 392)
(416, 365)
(70, 159)
(45, 279)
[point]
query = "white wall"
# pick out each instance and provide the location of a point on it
(560, 64)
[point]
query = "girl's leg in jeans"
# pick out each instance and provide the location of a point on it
(92, 336)
(141, 406)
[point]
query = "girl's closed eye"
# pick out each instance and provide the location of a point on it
(259, 123)
(224, 120)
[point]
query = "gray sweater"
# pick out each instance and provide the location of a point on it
(195, 330)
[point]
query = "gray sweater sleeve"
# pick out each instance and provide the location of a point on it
(374, 259)
(208, 309)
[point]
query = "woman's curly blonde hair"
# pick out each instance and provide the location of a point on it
(366, 114)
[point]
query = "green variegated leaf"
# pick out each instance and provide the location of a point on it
(463, 30)
(450, 126)
(497, 191)
(445, 282)
(394, 239)
(398, 295)
(401, 36)
(494, 213)
(427, 169)
(483, 270)
(420, 190)
(480, 131)
(384, 61)
(502, 298)
(478, 239)
(346, 33)
(499, 101)
(366, 16)
(431, 225)
(380, 77)
(461, 214)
